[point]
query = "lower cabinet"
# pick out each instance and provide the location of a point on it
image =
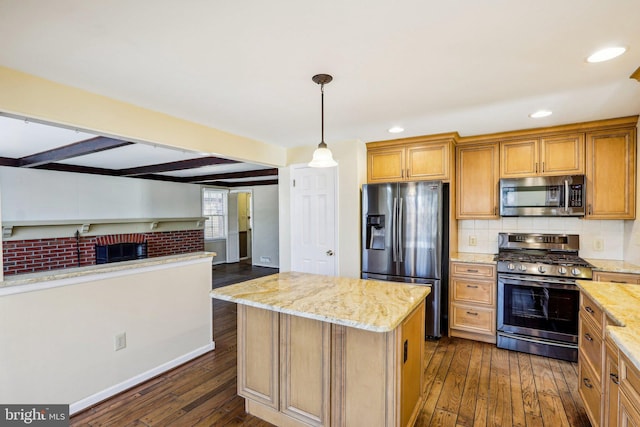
(629, 410)
(295, 371)
(472, 308)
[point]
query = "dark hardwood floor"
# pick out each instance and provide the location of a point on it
(467, 383)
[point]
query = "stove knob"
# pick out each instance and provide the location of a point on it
(542, 268)
(562, 270)
(510, 266)
(522, 267)
(575, 271)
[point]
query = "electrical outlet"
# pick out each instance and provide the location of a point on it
(598, 244)
(265, 259)
(473, 241)
(120, 341)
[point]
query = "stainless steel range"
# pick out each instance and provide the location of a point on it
(538, 298)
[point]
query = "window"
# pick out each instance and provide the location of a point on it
(214, 208)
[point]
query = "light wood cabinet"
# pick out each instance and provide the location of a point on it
(472, 312)
(397, 161)
(606, 276)
(295, 371)
(551, 155)
(629, 410)
(611, 174)
(591, 352)
(477, 177)
(611, 385)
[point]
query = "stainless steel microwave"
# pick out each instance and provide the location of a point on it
(543, 196)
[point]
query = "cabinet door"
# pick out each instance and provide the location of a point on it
(305, 364)
(603, 276)
(611, 174)
(412, 351)
(629, 415)
(611, 386)
(258, 355)
(562, 155)
(385, 165)
(519, 158)
(477, 181)
(428, 162)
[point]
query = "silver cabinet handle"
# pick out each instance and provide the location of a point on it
(329, 252)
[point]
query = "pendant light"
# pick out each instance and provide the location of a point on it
(322, 157)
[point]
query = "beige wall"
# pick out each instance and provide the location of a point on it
(58, 344)
(29, 96)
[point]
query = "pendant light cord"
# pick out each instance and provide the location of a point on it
(322, 143)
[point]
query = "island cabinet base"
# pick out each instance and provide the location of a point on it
(295, 371)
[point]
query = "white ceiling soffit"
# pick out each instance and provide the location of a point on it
(245, 67)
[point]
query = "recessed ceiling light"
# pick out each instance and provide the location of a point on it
(396, 129)
(606, 54)
(540, 113)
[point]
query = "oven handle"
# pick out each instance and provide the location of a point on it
(538, 283)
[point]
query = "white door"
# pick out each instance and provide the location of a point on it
(233, 245)
(313, 222)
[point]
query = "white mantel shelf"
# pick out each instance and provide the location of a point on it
(22, 230)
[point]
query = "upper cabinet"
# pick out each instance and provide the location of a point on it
(552, 155)
(411, 159)
(611, 174)
(477, 181)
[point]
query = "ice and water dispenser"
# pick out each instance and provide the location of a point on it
(375, 232)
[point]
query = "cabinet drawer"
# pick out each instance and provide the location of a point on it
(601, 276)
(474, 319)
(629, 378)
(591, 311)
(590, 343)
(486, 271)
(590, 392)
(465, 290)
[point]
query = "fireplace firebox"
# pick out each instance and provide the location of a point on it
(120, 252)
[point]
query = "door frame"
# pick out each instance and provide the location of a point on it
(236, 191)
(336, 217)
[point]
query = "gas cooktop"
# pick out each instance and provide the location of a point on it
(542, 254)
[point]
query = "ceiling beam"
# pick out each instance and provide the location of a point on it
(232, 175)
(243, 183)
(80, 148)
(175, 166)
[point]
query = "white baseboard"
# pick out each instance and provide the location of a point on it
(257, 264)
(124, 385)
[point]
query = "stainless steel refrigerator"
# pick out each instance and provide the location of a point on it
(405, 239)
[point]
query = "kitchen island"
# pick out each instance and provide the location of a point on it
(320, 350)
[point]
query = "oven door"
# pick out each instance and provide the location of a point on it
(538, 307)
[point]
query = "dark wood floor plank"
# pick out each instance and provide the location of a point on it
(517, 403)
(433, 395)
(528, 386)
(469, 395)
(482, 404)
(499, 404)
(454, 383)
(572, 404)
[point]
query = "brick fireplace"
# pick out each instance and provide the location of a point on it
(30, 256)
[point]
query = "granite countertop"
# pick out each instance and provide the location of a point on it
(621, 302)
(614, 266)
(473, 257)
(68, 273)
(364, 304)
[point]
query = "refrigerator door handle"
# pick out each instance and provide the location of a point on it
(400, 226)
(394, 219)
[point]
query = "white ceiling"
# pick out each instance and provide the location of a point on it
(246, 66)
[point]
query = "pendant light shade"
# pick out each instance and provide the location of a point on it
(322, 157)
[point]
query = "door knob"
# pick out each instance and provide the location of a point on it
(329, 252)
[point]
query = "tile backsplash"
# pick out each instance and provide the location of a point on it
(603, 239)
